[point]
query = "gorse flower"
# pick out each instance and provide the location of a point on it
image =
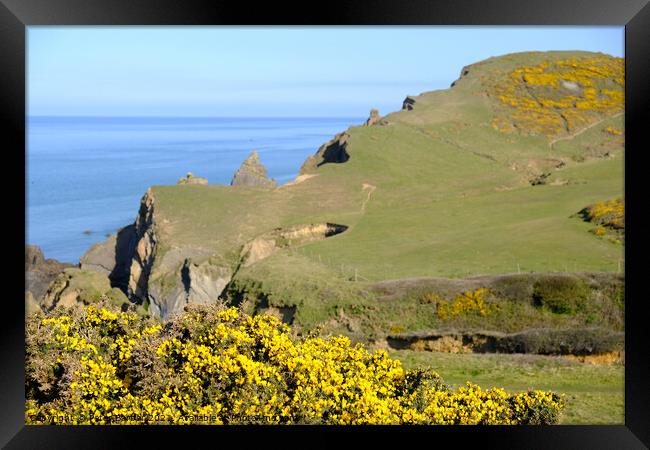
(223, 367)
(468, 302)
(609, 218)
(560, 96)
(609, 213)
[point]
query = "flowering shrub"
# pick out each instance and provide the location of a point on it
(614, 131)
(610, 213)
(469, 302)
(609, 218)
(219, 366)
(562, 96)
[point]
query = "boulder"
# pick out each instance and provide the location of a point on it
(252, 173)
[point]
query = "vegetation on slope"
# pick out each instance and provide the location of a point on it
(560, 96)
(594, 392)
(609, 218)
(217, 366)
(435, 190)
(370, 312)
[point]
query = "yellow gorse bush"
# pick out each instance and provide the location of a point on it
(609, 218)
(614, 131)
(223, 367)
(561, 96)
(609, 213)
(468, 302)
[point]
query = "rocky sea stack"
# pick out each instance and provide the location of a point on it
(252, 173)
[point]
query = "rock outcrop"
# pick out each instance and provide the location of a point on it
(144, 251)
(333, 151)
(39, 272)
(112, 257)
(75, 287)
(168, 282)
(373, 118)
(252, 173)
(191, 179)
(205, 282)
(408, 103)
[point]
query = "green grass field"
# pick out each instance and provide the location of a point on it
(594, 393)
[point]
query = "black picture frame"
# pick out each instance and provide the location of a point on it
(16, 15)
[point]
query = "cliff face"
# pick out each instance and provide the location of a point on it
(145, 248)
(39, 273)
(112, 257)
(184, 274)
(170, 281)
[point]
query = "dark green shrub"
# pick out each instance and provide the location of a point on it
(561, 295)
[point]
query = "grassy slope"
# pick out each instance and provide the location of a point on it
(447, 201)
(594, 394)
(440, 208)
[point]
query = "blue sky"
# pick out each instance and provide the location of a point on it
(267, 71)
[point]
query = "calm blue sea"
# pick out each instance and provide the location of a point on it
(85, 176)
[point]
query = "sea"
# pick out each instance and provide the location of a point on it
(85, 176)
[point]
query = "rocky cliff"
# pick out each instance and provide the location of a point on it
(39, 273)
(179, 275)
(182, 276)
(333, 151)
(374, 118)
(112, 257)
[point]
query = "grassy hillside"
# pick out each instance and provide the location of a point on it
(486, 177)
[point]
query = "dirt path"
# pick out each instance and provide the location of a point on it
(370, 188)
(578, 133)
(299, 179)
